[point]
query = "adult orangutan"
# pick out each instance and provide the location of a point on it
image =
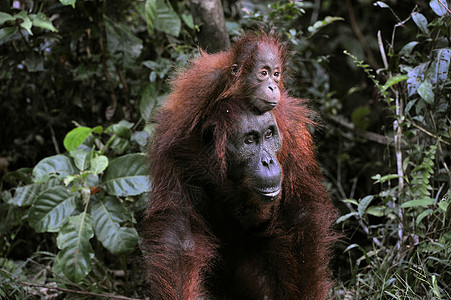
(238, 209)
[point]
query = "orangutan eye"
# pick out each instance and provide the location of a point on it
(250, 139)
(268, 134)
(277, 74)
(263, 73)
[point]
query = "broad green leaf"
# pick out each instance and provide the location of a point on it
(394, 80)
(425, 90)
(167, 19)
(82, 158)
(148, 101)
(438, 8)
(41, 20)
(440, 67)
(99, 164)
(18, 177)
(140, 137)
(122, 44)
(121, 129)
(150, 14)
(68, 2)
(345, 217)
(127, 176)
(377, 211)
(188, 19)
(108, 213)
(119, 145)
(407, 49)
(57, 165)
(443, 204)
(51, 209)
(26, 22)
(4, 17)
(363, 204)
(425, 202)
(26, 195)
(76, 251)
(416, 77)
(76, 137)
(360, 118)
(423, 215)
(421, 22)
(6, 33)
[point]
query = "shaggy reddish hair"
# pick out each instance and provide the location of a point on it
(189, 236)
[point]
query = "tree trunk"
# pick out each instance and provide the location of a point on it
(209, 16)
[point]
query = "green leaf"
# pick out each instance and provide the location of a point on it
(150, 15)
(421, 22)
(121, 129)
(76, 251)
(443, 205)
(394, 80)
(407, 49)
(140, 137)
(57, 165)
(82, 158)
(423, 215)
(353, 201)
(416, 77)
(363, 204)
(438, 8)
(41, 20)
(26, 22)
(6, 33)
(51, 209)
(76, 137)
(439, 67)
(360, 118)
(108, 213)
(26, 195)
(4, 17)
(345, 217)
(385, 178)
(188, 19)
(127, 176)
(122, 44)
(381, 4)
(377, 211)
(68, 2)
(425, 90)
(99, 164)
(323, 23)
(167, 19)
(425, 202)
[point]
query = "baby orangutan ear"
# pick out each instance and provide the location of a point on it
(235, 69)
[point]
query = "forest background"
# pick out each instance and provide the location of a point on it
(80, 81)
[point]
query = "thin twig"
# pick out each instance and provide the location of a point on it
(36, 285)
(358, 33)
(371, 136)
(444, 6)
(439, 139)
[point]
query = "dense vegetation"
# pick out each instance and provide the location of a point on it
(80, 81)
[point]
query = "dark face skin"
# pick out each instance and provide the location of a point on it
(252, 153)
(265, 78)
